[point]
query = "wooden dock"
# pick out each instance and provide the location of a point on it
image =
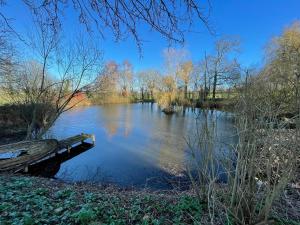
(33, 151)
(71, 141)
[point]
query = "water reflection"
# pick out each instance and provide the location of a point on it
(136, 144)
(110, 119)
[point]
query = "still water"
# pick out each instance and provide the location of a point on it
(136, 144)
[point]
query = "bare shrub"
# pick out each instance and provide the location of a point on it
(42, 96)
(265, 158)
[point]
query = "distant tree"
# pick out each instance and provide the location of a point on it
(152, 81)
(166, 96)
(125, 77)
(196, 79)
(107, 80)
(173, 60)
(206, 78)
(169, 84)
(201, 79)
(142, 83)
(223, 69)
(184, 75)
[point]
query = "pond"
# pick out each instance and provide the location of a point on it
(136, 144)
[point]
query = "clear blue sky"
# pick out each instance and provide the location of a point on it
(255, 21)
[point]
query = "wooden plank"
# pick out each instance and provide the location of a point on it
(69, 142)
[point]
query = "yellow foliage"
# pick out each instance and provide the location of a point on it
(168, 83)
(165, 99)
(291, 37)
(185, 71)
(168, 94)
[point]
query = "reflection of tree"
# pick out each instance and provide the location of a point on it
(127, 120)
(114, 116)
(111, 117)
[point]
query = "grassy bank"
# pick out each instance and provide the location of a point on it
(219, 103)
(28, 200)
(32, 200)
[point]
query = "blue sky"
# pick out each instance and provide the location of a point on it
(255, 22)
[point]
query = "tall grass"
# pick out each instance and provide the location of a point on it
(258, 167)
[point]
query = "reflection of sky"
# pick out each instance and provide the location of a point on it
(133, 142)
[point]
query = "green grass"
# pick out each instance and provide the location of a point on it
(27, 200)
(3, 100)
(30, 200)
(224, 95)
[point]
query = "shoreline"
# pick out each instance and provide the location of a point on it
(41, 200)
(34, 200)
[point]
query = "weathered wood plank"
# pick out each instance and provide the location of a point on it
(35, 151)
(69, 142)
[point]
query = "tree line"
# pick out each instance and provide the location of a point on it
(181, 81)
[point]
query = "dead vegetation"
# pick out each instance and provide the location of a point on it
(263, 166)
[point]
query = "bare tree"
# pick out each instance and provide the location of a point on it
(184, 75)
(173, 59)
(201, 79)
(47, 95)
(107, 82)
(152, 81)
(78, 66)
(222, 68)
(206, 78)
(142, 83)
(125, 77)
(169, 18)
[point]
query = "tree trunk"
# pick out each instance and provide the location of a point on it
(209, 86)
(205, 88)
(214, 86)
(185, 91)
(142, 92)
(30, 128)
(200, 96)
(205, 80)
